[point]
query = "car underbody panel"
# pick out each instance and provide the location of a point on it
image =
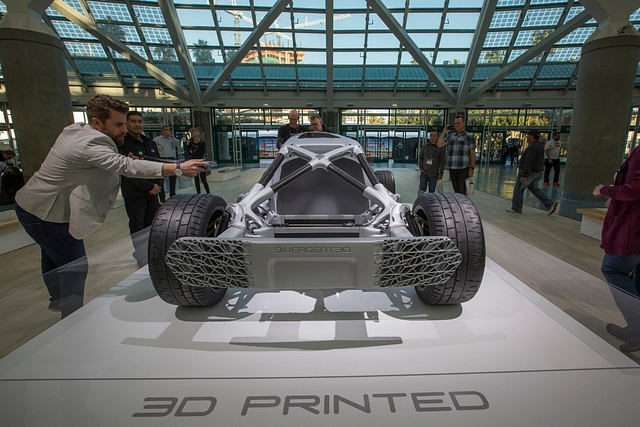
(284, 263)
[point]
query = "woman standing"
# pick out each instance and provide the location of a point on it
(196, 150)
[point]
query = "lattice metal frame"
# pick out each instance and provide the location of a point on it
(420, 261)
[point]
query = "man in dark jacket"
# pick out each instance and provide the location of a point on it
(140, 195)
(292, 128)
(530, 169)
(431, 161)
(315, 122)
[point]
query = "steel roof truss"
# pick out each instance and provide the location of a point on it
(72, 15)
(476, 48)
(248, 44)
(404, 25)
(295, 49)
(329, 54)
(184, 58)
(533, 51)
(259, 49)
(413, 49)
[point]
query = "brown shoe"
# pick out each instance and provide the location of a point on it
(615, 330)
(630, 347)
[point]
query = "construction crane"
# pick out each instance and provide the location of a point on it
(238, 15)
(316, 22)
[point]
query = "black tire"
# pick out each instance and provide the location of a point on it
(387, 179)
(454, 216)
(192, 215)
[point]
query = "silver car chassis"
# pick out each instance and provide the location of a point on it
(262, 248)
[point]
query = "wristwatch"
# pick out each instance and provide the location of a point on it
(178, 170)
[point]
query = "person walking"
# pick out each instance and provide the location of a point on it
(72, 192)
(621, 244)
(529, 173)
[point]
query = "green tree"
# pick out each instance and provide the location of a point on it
(376, 120)
(494, 56)
(115, 31)
(202, 55)
(538, 36)
(165, 53)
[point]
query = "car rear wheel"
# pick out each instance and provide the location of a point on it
(193, 215)
(386, 178)
(454, 216)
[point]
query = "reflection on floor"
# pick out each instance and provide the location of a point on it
(547, 253)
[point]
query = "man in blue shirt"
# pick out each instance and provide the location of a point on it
(167, 145)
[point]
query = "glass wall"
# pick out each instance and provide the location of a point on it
(502, 132)
(391, 134)
(249, 135)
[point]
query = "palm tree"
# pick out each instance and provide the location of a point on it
(115, 31)
(165, 53)
(202, 55)
(494, 56)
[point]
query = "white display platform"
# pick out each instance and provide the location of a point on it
(364, 358)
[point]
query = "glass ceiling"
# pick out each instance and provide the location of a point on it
(197, 48)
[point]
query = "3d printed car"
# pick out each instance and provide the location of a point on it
(320, 217)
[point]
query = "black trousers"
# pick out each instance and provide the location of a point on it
(458, 180)
(172, 188)
(202, 176)
(556, 170)
(141, 211)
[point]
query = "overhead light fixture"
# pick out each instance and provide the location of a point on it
(350, 104)
(437, 104)
(309, 104)
(480, 104)
(527, 104)
(220, 103)
(394, 105)
(266, 104)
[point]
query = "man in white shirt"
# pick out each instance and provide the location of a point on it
(552, 159)
(167, 145)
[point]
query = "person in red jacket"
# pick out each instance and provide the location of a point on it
(621, 244)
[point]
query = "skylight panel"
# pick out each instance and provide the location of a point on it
(505, 19)
(542, 17)
(578, 36)
(109, 11)
(149, 15)
(571, 54)
(510, 3)
(157, 35)
(136, 48)
(68, 30)
(498, 39)
(85, 49)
